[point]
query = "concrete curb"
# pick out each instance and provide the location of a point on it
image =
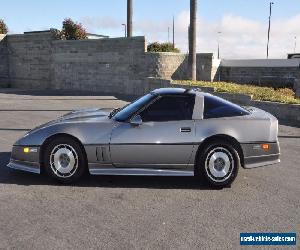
(297, 87)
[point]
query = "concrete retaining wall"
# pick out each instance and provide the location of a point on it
(273, 72)
(37, 61)
(297, 87)
(120, 65)
(107, 65)
(175, 65)
(4, 75)
(164, 65)
(29, 58)
(286, 113)
(262, 63)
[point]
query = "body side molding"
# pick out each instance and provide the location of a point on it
(139, 172)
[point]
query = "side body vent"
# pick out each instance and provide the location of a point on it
(102, 154)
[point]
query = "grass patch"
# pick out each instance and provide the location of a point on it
(283, 95)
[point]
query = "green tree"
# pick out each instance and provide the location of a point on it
(56, 33)
(162, 47)
(72, 30)
(3, 27)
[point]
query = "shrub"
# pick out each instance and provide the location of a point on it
(3, 27)
(57, 34)
(283, 95)
(162, 47)
(72, 30)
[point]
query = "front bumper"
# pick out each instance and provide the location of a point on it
(255, 156)
(29, 162)
(32, 167)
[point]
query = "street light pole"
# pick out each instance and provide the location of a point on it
(173, 32)
(219, 34)
(269, 29)
(125, 29)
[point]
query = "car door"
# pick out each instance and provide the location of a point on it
(165, 139)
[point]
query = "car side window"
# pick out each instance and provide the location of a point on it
(215, 107)
(169, 108)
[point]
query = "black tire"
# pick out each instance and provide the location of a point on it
(64, 160)
(218, 157)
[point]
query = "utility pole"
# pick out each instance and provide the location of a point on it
(269, 29)
(295, 46)
(125, 29)
(192, 40)
(168, 34)
(173, 33)
(129, 18)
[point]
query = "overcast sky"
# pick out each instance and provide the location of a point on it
(243, 23)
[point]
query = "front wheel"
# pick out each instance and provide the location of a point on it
(218, 163)
(64, 160)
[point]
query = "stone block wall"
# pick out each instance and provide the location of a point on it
(164, 65)
(4, 75)
(35, 60)
(175, 66)
(272, 77)
(273, 72)
(108, 65)
(121, 65)
(29, 59)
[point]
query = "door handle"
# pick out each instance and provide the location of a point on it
(185, 130)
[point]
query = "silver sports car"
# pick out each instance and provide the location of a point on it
(169, 132)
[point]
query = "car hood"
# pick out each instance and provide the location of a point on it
(78, 116)
(84, 114)
(82, 124)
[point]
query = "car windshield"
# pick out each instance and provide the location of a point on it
(126, 112)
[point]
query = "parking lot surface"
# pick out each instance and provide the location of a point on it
(120, 212)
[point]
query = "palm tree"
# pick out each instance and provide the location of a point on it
(192, 40)
(129, 18)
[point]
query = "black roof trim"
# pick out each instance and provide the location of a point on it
(172, 91)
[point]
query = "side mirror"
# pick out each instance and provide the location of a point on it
(136, 121)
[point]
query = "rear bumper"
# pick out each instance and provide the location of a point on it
(260, 161)
(255, 156)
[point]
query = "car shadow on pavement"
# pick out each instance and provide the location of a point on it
(11, 176)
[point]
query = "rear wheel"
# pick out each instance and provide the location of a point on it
(218, 163)
(64, 160)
